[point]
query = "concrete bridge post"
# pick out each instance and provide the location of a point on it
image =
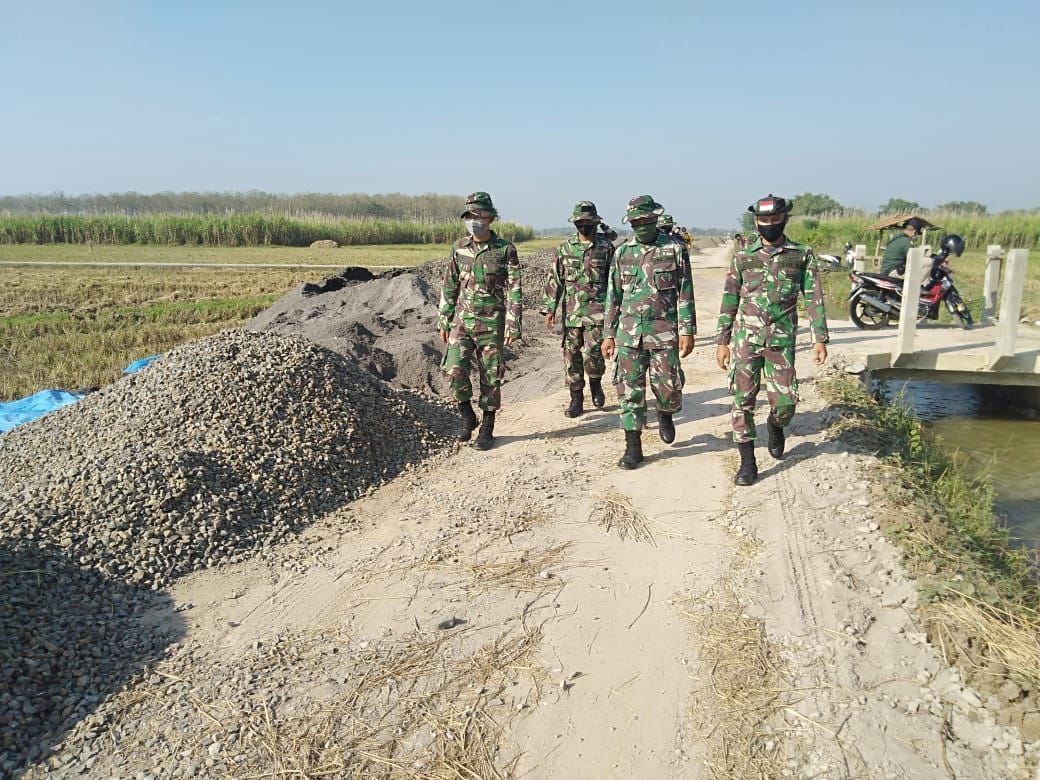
(859, 258)
(1010, 308)
(915, 267)
(991, 283)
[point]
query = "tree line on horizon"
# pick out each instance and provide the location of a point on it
(428, 207)
(810, 204)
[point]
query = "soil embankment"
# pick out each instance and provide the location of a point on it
(533, 611)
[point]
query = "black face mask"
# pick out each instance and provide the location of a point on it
(771, 232)
(586, 231)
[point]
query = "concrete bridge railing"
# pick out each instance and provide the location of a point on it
(1014, 272)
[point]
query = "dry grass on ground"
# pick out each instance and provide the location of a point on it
(741, 691)
(429, 706)
(615, 512)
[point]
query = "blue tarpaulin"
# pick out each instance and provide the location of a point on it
(25, 410)
(137, 365)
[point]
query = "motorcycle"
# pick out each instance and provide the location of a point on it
(836, 263)
(875, 298)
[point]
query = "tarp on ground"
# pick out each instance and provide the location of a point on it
(137, 365)
(25, 410)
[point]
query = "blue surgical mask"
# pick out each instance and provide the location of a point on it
(477, 227)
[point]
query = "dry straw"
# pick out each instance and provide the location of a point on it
(740, 673)
(615, 512)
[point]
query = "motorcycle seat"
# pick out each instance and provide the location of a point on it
(882, 278)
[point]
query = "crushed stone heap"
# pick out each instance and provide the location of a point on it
(217, 450)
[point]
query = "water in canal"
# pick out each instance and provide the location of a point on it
(995, 435)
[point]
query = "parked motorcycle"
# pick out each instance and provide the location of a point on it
(836, 263)
(875, 298)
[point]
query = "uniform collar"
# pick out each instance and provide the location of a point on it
(760, 244)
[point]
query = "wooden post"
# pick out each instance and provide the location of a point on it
(859, 258)
(994, 257)
(908, 312)
(1010, 308)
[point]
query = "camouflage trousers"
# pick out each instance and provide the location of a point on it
(752, 363)
(666, 381)
(582, 355)
(491, 368)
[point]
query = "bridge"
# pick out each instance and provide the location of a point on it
(999, 351)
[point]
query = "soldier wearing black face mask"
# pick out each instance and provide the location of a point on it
(577, 285)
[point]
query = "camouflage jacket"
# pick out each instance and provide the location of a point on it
(577, 281)
(481, 292)
(650, 295)
(760, 295)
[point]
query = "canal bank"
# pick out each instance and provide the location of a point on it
(994, 432)
(978, 597)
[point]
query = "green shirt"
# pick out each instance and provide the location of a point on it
(895, 253)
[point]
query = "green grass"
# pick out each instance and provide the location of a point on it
(231, 230)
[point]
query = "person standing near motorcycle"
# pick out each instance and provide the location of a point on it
(898, 247)
(577, 286)
(759, 317)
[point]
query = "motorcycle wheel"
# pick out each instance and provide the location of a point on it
(960, 309)
(866, 317)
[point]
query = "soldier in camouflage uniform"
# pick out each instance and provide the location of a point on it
(577, 285)
(650, 323)
(480, 312)
(759, 316)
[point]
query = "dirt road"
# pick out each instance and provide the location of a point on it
(539, 611)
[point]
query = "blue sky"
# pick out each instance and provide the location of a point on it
(705, 105)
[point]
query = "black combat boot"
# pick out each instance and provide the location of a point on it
(776, 437)
(665, 427)
(469, 421)
(596, 388)
(577, 407)
(748, 471)
(633, 450)
(486, 436)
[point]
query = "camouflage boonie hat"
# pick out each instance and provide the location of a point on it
(665, 219)
(770, 204)
(479, 203)
(642, 206)
(585, 210)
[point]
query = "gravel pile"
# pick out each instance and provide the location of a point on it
(69, 638)
(217, 450)
(387, 324)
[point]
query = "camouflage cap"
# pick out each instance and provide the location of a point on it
(665, 219)
(770, 204)
(479, 203)
(642, 206)
(585, 211)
